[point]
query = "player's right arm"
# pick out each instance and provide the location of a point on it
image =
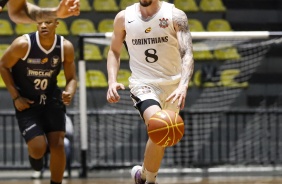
(113, 59)
(21, 11)
(15, 51)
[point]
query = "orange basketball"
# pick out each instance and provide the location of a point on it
(165, 128)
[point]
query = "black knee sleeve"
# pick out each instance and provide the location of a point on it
(36, 164)
(143, 105)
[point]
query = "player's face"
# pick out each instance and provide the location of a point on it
(145, 3)
(47, 27)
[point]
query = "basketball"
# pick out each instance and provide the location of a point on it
(165, 128)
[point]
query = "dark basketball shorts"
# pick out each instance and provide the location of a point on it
(41, 119)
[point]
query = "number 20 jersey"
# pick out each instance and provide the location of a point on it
(36, 73)
(152, 46)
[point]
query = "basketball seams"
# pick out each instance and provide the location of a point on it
(177, 124)
(168, 115)
(165, 128)
(161, 120)
(161, 123)
(171, 123)
(163, 138)
(178, 128)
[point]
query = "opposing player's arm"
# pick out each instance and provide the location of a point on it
(113, 61)
(21, 11)
(185, 45)
(15, 51)
(70, 72)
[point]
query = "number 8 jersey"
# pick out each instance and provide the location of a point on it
(36, 73)
(152, 46)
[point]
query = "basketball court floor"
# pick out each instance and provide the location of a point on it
(123, 177)
(258, 180)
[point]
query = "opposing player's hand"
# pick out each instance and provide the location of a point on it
(180, 95)
(74, 6)
(112, 94)
(68, 8)
(22, 103)
(66, 97)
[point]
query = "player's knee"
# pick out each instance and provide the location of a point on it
(57, 146)
(37, 147)
(37, 152)
(56, 141)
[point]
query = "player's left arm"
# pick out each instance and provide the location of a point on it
(184, 38)
(70, 73)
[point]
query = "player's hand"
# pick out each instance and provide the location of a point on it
(66, 97)
(74, 6)
(68, 8)
(180, 95)
(0, 9)
(112, 94)
(22, 103)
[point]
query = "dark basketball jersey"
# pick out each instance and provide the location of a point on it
(35, 75)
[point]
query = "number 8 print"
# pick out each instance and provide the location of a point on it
(151, 57)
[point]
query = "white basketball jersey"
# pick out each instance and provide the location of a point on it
(152, 46)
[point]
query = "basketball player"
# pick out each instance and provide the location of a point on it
(29, 68)
(161, 61)
(20, 11)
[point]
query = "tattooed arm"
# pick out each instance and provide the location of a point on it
(20, 11)
(184, 38)
(185, 45)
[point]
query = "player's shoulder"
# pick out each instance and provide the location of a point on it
(22, 39)
(21, 42)
(67, 42)
(120, 15)
(119, 19)
(177, 13)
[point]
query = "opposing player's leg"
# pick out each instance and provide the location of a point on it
(36, 149)
(57, 156)
(54, 127)
(29, 125)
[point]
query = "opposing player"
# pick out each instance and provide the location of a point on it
(21, 11)
(29, 68)
(161, 61)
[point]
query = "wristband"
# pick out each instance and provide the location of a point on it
(17, 97)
